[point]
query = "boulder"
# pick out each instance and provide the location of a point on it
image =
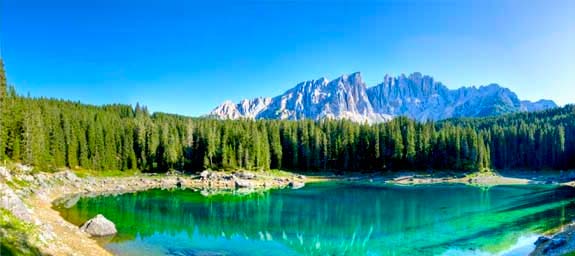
(552, 245)
(70, 176)
(541, 239)
(42, 180)
(5, 174)
(99, 226)
(205, 174)
(245, 175)
(23, 168)
(557, 242)
(25, 177)
(296, 184)
(244, 184)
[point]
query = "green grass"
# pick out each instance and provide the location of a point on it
(15, 236)
(81, 172)
(279, 173)
(17, 183)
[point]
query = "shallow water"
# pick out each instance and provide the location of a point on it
(332, 219)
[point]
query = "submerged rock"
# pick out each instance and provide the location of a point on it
(71, 201)
(99, 226)
(193, 252)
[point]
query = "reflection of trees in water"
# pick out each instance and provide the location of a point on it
(326, 219)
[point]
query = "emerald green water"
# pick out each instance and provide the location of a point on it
(332, 219)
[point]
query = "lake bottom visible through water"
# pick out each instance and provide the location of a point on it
(332, 219)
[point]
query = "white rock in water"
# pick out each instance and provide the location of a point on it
(296, 184)
(99, 226)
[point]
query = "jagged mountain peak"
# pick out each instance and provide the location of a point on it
(416, 95)
(354, 77)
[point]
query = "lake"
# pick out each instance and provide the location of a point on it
(332, 219)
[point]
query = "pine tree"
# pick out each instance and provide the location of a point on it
(3, 111)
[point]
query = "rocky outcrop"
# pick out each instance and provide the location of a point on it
(537, 106)
(244, 109)
(10, 201)
(5, 174)
(245, 175)
(99, 226)
(243, 183)
(343, 98)
(561, 243)
(415, 96)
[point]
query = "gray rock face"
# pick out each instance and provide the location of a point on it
(204, 175)
(69, 175)
(5, 174)
(347, 97)
(99, 226)
(11, 202)
(342, 98)
(537, 106)
(244, 109)
(245, 175)
(541, 239)
(243, 183)
(421, 98)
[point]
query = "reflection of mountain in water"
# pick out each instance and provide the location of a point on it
(342, 219)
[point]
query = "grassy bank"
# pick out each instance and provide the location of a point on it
(16, 236)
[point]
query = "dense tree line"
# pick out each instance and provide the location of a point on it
(53, 133)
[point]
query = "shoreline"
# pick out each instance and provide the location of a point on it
(39, 192)
(31, 197)
(481, 179)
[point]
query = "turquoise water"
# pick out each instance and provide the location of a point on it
(331, 219)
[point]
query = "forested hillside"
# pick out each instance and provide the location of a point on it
(55, 133)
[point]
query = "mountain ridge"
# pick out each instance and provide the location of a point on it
(416, 96)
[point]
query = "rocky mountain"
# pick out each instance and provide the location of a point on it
(416, 96)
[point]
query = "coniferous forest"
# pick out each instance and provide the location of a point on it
(56, 133)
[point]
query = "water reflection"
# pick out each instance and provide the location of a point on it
(332, 219)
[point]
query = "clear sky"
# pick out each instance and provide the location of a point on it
(187, 57)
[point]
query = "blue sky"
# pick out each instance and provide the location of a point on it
(186, 57)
